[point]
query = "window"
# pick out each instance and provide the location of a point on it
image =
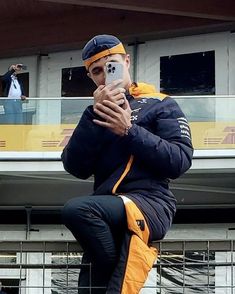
(75, 83)
(189, 75)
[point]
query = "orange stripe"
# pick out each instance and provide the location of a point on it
(128, 167)
(118, 49)
(133, 213)
(140, 261)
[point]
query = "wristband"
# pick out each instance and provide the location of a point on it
(126, 133)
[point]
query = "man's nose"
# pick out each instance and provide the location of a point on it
(103, 78)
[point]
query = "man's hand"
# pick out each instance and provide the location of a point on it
(23, 97)
(16, 67)
(111, 93)
(116, 118)
(12, 67)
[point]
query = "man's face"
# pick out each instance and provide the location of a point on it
(97, 74)
(17, 71)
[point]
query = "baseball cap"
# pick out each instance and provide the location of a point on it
(101, 46)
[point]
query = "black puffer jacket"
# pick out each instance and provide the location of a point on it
(139, 165)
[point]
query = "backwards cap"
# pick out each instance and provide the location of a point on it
(101, 46)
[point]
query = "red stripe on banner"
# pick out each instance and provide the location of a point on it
(50, 143)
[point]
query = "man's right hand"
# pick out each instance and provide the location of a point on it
(16, 67)
(110, 92)
(12, 67)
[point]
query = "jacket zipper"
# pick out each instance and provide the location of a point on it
(128, 167)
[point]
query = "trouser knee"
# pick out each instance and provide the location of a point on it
(74, 210)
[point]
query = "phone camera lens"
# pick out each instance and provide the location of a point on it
(113, 69)
(109, 70)
(109, 65)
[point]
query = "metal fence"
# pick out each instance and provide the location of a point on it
(188, 267)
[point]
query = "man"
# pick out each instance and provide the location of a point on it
(132, 140)
(13, 90)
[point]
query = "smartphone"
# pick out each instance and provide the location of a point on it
(21, 66)
(113, 72)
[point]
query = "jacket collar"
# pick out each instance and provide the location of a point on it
(143, 90)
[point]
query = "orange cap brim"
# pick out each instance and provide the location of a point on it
(118, 49)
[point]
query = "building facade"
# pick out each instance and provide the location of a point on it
(198, 253)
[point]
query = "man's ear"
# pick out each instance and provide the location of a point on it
(88, 74)
(127, 60)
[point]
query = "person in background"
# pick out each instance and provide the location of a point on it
(132, 140)
(14, 91)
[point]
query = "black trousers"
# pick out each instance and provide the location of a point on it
(99, 225)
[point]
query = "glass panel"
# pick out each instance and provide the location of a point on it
(49, 123)
(71, 110)
(191, 74)
(75, 83)
(198, 110)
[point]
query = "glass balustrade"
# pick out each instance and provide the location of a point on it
(49, 122)
(212, 122)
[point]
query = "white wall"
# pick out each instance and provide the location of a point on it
(224, 46)
(51, 69)
(50, 75)
(150, 53)
(148, 62)
(45, 72)
(231, 53)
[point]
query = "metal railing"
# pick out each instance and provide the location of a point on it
(188, 267)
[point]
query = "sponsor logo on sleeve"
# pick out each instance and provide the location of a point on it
(184, 127)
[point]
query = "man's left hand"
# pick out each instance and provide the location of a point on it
(116, 118)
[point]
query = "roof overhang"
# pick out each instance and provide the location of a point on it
(43, 26)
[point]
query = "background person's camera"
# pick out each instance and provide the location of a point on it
(22, 66)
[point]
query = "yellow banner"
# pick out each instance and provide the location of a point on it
(34, 137)
(213, 135)
(206, 135)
